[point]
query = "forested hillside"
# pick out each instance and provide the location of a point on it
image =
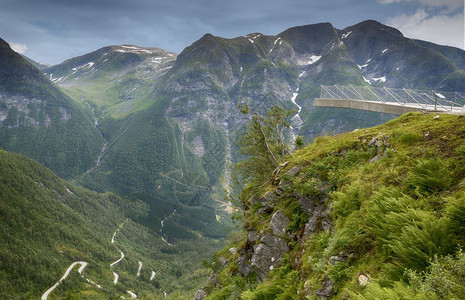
(47, 224)
(377, 213)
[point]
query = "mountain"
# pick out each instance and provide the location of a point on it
(372, 214)
(184, 109)
(114, 80)
(48, 224)
(40, 121)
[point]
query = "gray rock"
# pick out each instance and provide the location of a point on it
(327, 290)
(306, 204)
(379, 156)
(242, 265)
(252, 236)
(373, 140)
(252, 200)
(375, 159)
(232, 251)
(310, 228)
(275, 242)
(326, 224)
(267, 203)
(293, 171)
(268, 255)
(283, 185)
(200, 294)
(313, 223)
(278, 223)
(268, 197)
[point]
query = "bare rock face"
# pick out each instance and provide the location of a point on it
(252, 236)
(319, 219)
(268, 255)
(243, 266)
(267, 203)
(306, 204)
(278, 223)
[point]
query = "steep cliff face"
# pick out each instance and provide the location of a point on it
(354, 215)
(40, 121)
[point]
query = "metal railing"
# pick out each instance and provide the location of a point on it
(428, 100)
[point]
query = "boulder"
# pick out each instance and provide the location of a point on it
(379, 156)
(232, 251)
(278, 223)
(267, 255)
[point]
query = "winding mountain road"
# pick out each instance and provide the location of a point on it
(81, 268)
(83, 265)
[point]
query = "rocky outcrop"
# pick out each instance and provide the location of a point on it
(268, 254)
(278, 223)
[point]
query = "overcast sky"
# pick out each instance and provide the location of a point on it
(51, 31)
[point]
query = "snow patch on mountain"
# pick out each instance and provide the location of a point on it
(314, 59)
(345, 35)
(382, 79)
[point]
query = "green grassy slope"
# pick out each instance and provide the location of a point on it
(386, 202)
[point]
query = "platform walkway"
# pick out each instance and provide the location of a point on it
(390, 100)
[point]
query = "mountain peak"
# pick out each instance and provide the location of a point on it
(369, 26)
(4, 44)
(310, 38)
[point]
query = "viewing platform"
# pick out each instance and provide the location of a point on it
(390, 100)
